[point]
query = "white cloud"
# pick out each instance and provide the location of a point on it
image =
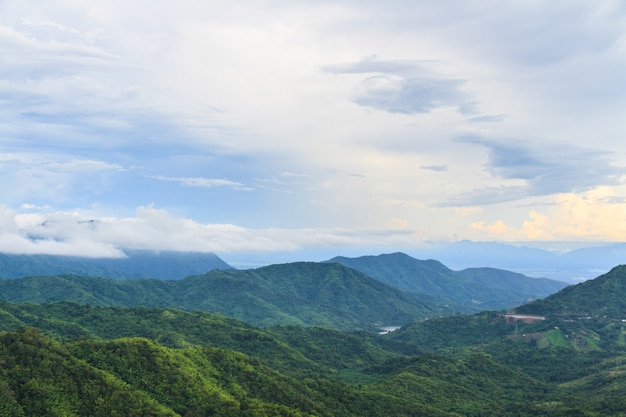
(204, 182)
(277, 96)
(71, 233)
(595, 215)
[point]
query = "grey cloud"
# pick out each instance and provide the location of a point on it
(437, 168)
(408, 95)
(407, 87)
(546, 168)
(488, 118)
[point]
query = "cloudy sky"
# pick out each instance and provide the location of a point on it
(283, 125)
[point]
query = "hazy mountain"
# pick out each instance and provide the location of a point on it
(564, 261)
(571, 262)
(136, 264)
(604, 257)
(305, 293)
(472, 289)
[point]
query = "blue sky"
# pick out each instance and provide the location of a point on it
(266, 126)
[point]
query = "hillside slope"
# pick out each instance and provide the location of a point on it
(303, 293)
(295, 350)
(137, 377)
(604, 295)
(469, 290)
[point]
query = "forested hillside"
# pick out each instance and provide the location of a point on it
(468, 290)
(118, 361)
(87, 359)
(303, 293)
(601, 296)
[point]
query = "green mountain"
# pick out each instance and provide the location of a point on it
(136, 264)
(90, 360)
(211, 365)
(137, 377)
(295, 350)
(602, 296)
(70, 359)
(469, 290)
(303, 293)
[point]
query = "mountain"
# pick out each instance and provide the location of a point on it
(90, 360)
(469, 290)
(603, 257)
(571, 262)
(304, 293)
(137, 377)
(136, 264)
(295, 350)
(102, 361)
(602, 296)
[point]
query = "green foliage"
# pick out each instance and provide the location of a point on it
(603, 296)
(291, 349)
(95, 361)
(40, 377)
(474, 383)
(449, 332)
(467, 291)
(134, 377)
(480, 375)
(328, 295)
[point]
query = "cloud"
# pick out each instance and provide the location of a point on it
(72, 233)
(109, 107)
(436, 168)
(408, 87)
(539, 168)
(79, 90)
(493, 118)
(40, 179)
(82, 166)
(32, 234)
(204, 182)
(596, 215)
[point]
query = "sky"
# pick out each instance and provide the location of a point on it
(277, 126)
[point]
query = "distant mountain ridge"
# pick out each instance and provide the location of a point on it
(303, 293)
(559, 262)
(136, 264)
(471, 290)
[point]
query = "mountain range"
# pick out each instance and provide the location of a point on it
(135, 264)
(562, 261)
(472, 289)
(344, 293)
(306, 293)
(571, 262)
(78, 359)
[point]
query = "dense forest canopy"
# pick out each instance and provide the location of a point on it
(88, 359)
